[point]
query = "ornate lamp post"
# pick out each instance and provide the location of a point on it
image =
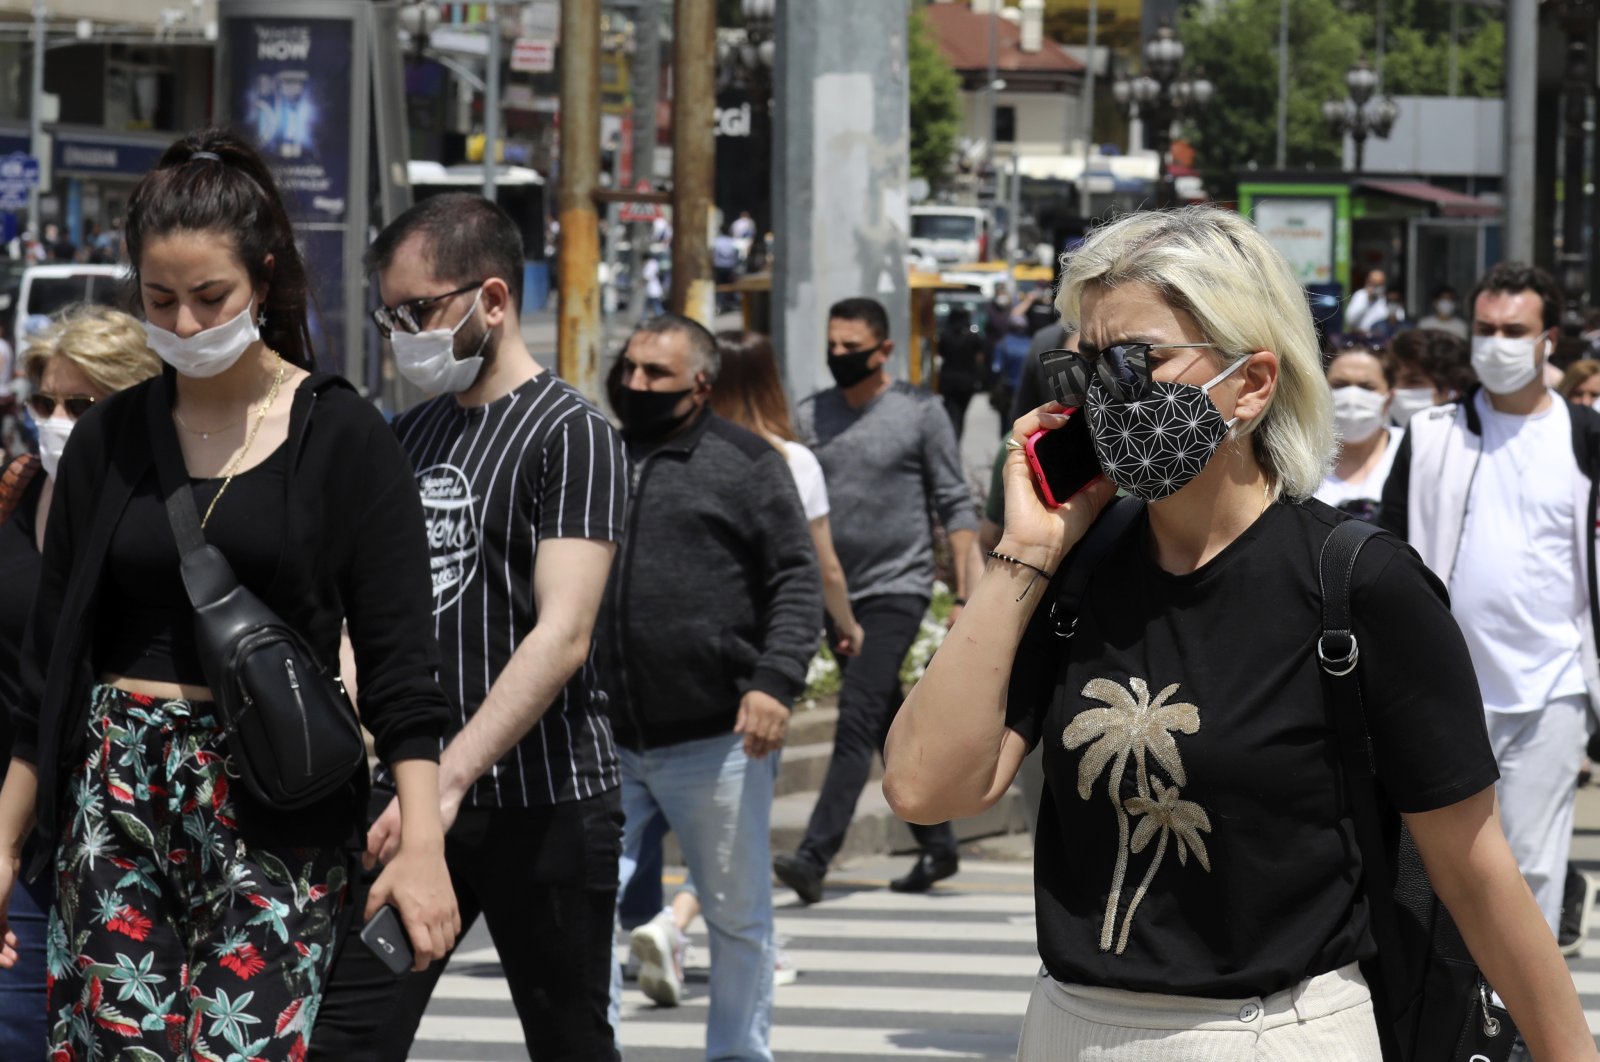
(1360, 115)
(1161, 96)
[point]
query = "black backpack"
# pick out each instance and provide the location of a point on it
(1431, 1001)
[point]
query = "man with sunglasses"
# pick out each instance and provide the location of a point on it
(523, 486)
(889, 455)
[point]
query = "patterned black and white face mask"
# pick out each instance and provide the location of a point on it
(1153, 447)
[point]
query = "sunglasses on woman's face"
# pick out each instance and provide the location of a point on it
(1123, 369)
(43, 404)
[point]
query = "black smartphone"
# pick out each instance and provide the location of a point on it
(387, 939)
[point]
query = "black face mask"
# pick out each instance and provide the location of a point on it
(650, 415)
(851, 368)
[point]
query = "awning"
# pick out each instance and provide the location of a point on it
(1450, 204)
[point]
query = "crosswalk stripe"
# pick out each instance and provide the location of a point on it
(1020, 931)
(827, 1040)
(959, 903)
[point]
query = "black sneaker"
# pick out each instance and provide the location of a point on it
(799, 875)
(1577, 900)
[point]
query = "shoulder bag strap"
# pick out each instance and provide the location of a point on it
(1073, 579)
(1338, 653)
(173, 475)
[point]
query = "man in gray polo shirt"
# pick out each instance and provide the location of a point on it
(890, 457)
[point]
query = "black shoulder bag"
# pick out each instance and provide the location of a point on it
(1431, 1001)
(290, 728)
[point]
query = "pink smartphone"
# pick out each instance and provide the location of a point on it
(1063, 459)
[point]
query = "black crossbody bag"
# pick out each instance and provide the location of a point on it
(290, 729)
(1431, 1000)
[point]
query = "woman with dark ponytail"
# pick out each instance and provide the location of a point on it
(191, 920)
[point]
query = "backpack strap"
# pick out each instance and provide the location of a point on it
(1073, 578)
(1338, 652)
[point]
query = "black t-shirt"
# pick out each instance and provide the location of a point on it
(19, 577)
(144, 622)
(1228, 849)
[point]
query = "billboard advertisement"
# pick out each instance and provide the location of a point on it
(293, 80)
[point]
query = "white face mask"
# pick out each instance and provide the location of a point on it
(1505, 366)
(428, 359)
(206, 353)
(1444, 307)
(1407, 402)
(1357, 413)
(53, 433)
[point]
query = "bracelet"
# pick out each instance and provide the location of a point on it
(959, 602)
(1037, 571)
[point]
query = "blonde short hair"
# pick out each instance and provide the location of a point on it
(1214, 265)
(108, 346)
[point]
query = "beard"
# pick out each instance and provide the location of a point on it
(474, 338)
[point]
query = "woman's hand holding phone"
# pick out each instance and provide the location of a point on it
(1034, 532)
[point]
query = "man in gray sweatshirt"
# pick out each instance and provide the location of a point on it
(890, 458)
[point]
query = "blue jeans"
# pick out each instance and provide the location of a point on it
(718, 802)
(23, 1020)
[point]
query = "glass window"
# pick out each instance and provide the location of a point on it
(944, 227)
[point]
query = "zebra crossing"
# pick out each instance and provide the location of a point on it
(882, 976)
(944, 976)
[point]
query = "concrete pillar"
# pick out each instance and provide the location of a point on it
(840, 173)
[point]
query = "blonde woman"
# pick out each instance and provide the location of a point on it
(87, 354)
(1196, 893)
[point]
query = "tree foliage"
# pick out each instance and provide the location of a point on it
(1235, 44)
(935, 92)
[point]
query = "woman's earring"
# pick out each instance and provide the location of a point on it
(261, 319)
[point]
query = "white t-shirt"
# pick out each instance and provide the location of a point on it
(1454, 325)
(808, 480)
(1517, 587)
(1337, 492)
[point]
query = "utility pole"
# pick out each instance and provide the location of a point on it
(1454, 86)
(988, 86)
(694, 102)
(1521, 117)
(1084, 207)
(578, 326)
(491, 104)
(646, 79)
(1283, 85)
(36, 112)
(1578, 20)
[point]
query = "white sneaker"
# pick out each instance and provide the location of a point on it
(784, 971)
(659, 948)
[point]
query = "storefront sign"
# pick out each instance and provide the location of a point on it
(92, 156)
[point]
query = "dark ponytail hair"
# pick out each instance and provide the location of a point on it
(234, 195)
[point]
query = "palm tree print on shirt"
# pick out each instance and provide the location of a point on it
(1134, 727)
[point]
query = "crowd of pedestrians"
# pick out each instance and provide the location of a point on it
(568, 638)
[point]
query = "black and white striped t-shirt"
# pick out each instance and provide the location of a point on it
(496, 481)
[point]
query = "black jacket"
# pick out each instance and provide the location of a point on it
(354, 550)
(714, 592)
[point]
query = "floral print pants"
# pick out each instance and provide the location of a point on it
(172, 938)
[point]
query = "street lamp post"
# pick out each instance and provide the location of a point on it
(1360, 115)
(1162, 96)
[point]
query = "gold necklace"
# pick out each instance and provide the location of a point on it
(213, 431)
(233, 466)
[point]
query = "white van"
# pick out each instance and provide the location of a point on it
(950, 234)
(48, 289)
